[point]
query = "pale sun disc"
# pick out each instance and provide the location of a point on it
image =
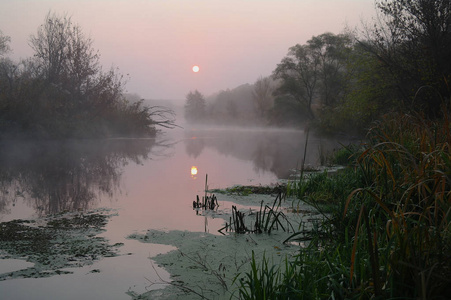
(196, 69)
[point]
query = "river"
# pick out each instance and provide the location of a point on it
(144, 184)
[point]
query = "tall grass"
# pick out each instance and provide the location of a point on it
(408, 172)
(386, 230)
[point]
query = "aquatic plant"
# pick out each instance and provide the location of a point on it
(266, 219)
(246, 190)
(208, 202)
(59, 242)
(387, 234)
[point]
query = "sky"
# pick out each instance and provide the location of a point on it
(155, 43)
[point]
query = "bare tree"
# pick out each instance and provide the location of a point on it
(4, 44)
(65, 54)
(262, 95)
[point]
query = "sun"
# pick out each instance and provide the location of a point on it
(196, 69)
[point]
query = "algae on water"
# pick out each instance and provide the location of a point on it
(55, 243)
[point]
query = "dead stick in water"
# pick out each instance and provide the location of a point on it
(206, 185)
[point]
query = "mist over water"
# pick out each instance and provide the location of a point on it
(147, 183)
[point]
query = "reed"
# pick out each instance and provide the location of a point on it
(267, 219)
(407, 161)
(387, 234)
(209, 202)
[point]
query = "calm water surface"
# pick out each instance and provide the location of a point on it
(148, 184)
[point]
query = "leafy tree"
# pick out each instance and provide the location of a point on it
(333, 52)
(315, 71)
(287, 112)
(413, 42)
(195, 107)
(232, 106)
(299, 73)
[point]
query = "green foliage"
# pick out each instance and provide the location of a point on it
(345, 155)
(401, 63)
(388, 233)
(310, 274)
(288, 112)
(246, 190)
(315, 69)
(412, 43)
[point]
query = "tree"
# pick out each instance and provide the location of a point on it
(62, 91)
(263, 96)
(413, 42)
(333, 52)
(195, 107)
(315, 71)
(4, 44)
(299, 72)
(65, 54)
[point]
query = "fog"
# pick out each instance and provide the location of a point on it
(156, 43)
(77, 143)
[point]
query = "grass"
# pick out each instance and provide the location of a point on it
(386, 223)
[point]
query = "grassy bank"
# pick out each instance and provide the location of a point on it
(386, 227)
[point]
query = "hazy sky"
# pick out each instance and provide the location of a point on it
(157, 42)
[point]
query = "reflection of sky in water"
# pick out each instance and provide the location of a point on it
(149, 190)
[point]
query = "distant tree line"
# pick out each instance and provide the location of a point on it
(343, 82)
(62, 91)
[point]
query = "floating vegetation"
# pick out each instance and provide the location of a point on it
(246, 190)
(56, 242)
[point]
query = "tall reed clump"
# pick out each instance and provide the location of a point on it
(388, 232)
(407, 167)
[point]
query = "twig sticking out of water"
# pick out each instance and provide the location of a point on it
(206, 186)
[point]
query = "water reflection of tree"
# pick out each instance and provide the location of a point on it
(277, 151)
(71, 175)
(194, 146)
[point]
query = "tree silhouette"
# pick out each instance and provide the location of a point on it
(195, 107)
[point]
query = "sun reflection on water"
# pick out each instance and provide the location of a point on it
(193, 172)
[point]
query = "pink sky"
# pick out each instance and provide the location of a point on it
(157, 42)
